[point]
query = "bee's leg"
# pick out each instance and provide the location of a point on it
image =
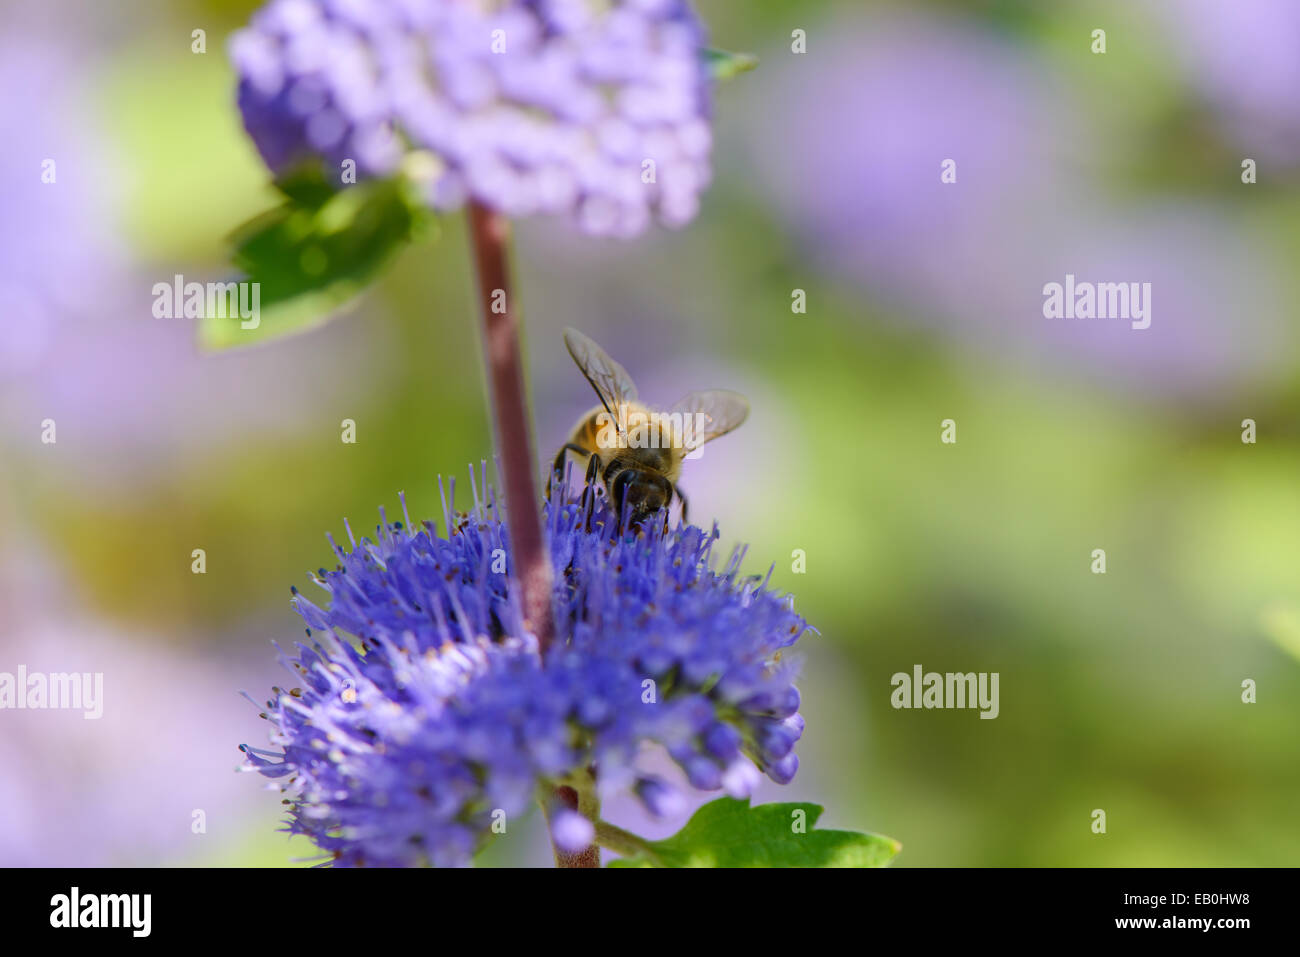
(557, 470)
(682, 498)
(557, 467)
(591, 483)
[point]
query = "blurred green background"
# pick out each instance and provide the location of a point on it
(1119, 691)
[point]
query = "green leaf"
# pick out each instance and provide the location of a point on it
(730, 833)
(315, 254)
(724, 65)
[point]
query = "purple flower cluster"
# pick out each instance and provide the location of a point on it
(598, 110)
(424, 710)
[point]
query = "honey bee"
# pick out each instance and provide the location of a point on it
(636, 452)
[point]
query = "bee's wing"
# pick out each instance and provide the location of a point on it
(723, 411)
(610, 380)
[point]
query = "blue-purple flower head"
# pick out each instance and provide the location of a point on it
(422, 710)
(598, 110)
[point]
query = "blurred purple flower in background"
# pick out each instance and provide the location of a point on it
(895, 98)
(1244, 58)
(55, 260)
(530, 106)
(1219, 314)
(79, 343)
(121, 789)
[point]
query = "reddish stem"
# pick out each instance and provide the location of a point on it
(490, 238)
(587, 857)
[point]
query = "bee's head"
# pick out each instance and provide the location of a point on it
(643, 492)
